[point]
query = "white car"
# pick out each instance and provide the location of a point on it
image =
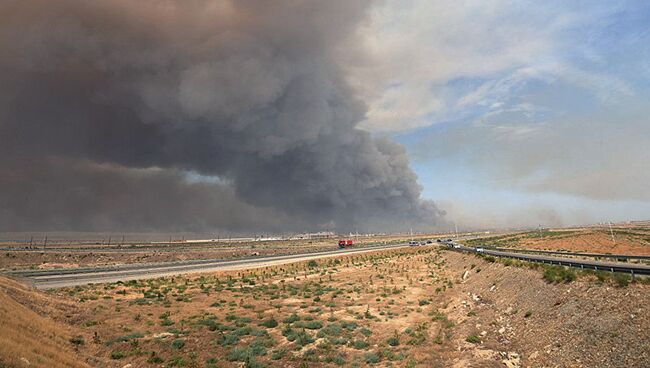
(456, 246)
(480, 250)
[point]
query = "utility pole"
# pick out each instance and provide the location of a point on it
(109, 240)
(456, 228)
(612, 232)
(45, 242)
(31, 241)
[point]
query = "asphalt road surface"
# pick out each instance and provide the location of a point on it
(48, 279)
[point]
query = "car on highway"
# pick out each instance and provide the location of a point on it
(413, 243)
(429, 242)
(480, 250)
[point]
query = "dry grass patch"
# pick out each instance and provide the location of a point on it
(29, 339)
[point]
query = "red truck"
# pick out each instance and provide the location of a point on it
(344, 243)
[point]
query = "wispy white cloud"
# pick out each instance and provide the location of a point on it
(419, 48)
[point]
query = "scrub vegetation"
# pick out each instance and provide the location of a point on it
(421, 306)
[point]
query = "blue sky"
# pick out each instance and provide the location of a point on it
(517, 113)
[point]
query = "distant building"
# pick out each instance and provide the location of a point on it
(319, 235)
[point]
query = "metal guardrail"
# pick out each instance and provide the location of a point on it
(590, 255)
(633, 269)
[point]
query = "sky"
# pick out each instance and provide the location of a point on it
(235, 117)
(516, 113)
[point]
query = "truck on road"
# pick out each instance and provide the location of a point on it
(344, 243)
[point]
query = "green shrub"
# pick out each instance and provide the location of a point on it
(359, 344)
(473, 339)
(77, 340)
(371, 358)
(116, 354)
(270, 323)
(351, 326)
(140, 301)
(176, 362)
(622, 280)
(336, 359)
(300, 337)
(303, 338)
(222, 327)
(365, 332)
(154, 358)
(178, 344)
(292, 318)
(310, 355)
(331, 329)
(229, 339)
(310, 325)
(129, 337)
(556, 274)
(602, 276)
(278, 354)
(211, 325)
(243, 331)
(247, 354)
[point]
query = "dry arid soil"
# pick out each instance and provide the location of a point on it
(415, 307)
(620, 240)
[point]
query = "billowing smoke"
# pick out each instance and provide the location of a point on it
(111, 110)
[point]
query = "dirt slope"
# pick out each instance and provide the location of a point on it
(27, 338)
(578, 324)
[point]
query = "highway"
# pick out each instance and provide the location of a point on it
(631, 268)
(49, 279)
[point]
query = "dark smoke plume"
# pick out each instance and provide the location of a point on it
(110, 109)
